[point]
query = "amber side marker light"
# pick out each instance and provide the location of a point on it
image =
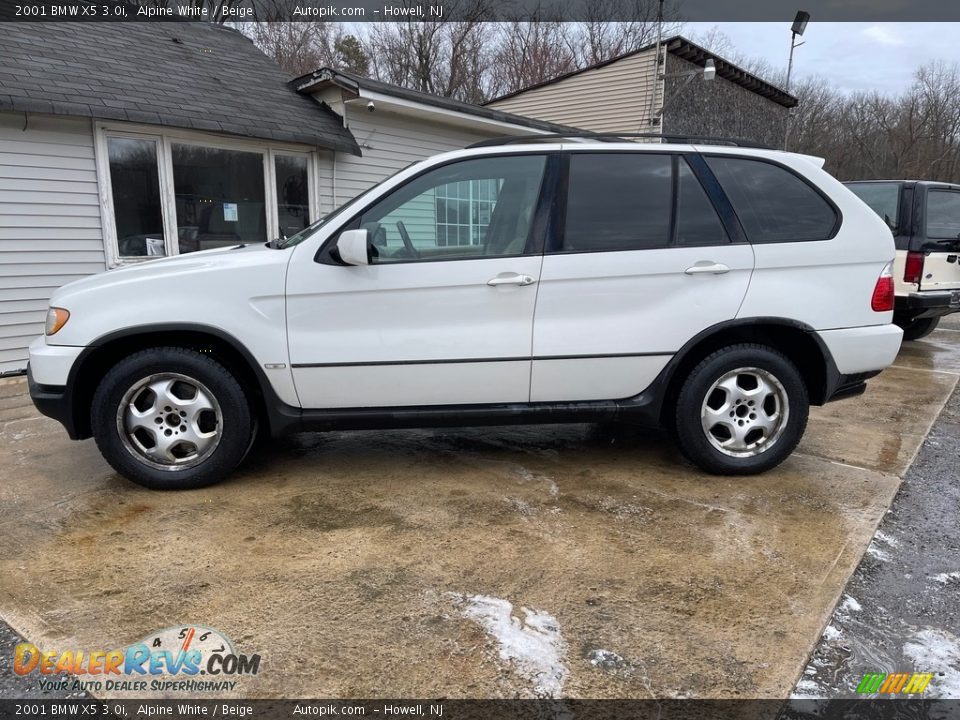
(56, 319)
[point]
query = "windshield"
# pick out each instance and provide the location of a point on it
(311, 229)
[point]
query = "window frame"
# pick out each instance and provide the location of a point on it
(900, 222)
(838, 222)
(165, 138)
(539, 224)
(709, 184)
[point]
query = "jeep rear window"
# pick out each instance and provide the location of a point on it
(883, 199)
(943, 215)
(774, 205)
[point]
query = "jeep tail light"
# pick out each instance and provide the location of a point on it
(882, 300)
(914, 268)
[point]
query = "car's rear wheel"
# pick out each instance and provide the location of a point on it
(741, 411)
(916, 329)
(171, 418)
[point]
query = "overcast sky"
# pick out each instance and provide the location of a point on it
(854, 56)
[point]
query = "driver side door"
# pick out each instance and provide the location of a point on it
(443, 313)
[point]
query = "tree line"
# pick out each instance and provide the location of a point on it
(862, 135)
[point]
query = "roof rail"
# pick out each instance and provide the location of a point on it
(615, 137)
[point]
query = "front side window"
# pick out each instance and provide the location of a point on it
(943, 215)
(883, 199)
(618, 201)
(773, 204)
(220, 198)
(474, 208)
(135, 185)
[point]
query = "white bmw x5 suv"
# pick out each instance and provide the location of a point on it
(717, 291)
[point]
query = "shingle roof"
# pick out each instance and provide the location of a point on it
(313, 81)
(181, 74)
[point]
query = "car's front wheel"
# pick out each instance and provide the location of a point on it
(171, 418)
(741, 411)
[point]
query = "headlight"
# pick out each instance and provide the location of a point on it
(56, 319)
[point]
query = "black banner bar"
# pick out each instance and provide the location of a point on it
(363, 11)
(874, 709)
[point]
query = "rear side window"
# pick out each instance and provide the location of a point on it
(883, 199)
(618, 202)
(773, 204)
(697, 220)
(943, 214)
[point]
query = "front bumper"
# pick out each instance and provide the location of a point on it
(54, 401)
(48, 374)
(932, 303)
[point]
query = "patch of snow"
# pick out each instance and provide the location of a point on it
(850, 604)
(937, 651)
(832, 632)
(605, 659)
(552, 487)
(886, 539)
(533, 644)
(874, 551)
(807, 690)
(947, 577)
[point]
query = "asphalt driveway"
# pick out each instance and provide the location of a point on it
(547, 560)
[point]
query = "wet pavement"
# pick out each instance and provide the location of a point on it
(900, 612)
(498, 562)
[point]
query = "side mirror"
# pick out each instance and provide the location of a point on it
(354, 247)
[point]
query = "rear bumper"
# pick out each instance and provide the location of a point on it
(933, 303)
(860, 350)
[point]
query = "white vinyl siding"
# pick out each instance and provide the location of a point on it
(389, 143)
(615, 97)
(50, 230)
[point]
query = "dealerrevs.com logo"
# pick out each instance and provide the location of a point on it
(184, 658)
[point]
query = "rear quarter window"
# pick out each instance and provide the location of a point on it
(943, 215)
(774, 205)
(882, 198)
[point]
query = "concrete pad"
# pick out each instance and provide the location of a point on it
(353, 562)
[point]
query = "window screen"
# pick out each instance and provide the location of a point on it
(618, 202)
(697, 219)
(773, 204)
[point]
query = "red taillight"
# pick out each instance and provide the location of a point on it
(914, 267)
(883, 293)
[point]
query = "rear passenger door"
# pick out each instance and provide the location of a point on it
(640, 259)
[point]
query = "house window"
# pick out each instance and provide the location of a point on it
(220, 197)
(179, 192)
(293, 197)
(135, 183)
(464, 210)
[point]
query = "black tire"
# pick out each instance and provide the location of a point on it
(762, 451)
(229, 421)
(916, 329)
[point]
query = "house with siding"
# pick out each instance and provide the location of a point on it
(123, 142)
(660, 89)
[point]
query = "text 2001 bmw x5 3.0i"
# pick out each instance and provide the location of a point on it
(714, 290)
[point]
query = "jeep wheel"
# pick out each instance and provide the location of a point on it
(171, 418)
(741, 411)
(916, 329)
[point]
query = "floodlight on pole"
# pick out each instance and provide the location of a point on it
(798, 28)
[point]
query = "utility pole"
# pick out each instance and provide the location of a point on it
(798, 28)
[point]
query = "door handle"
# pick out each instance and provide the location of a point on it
(510, 279)
(712, 268)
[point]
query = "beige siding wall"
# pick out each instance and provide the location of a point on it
(616, 97)
(49, 221)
